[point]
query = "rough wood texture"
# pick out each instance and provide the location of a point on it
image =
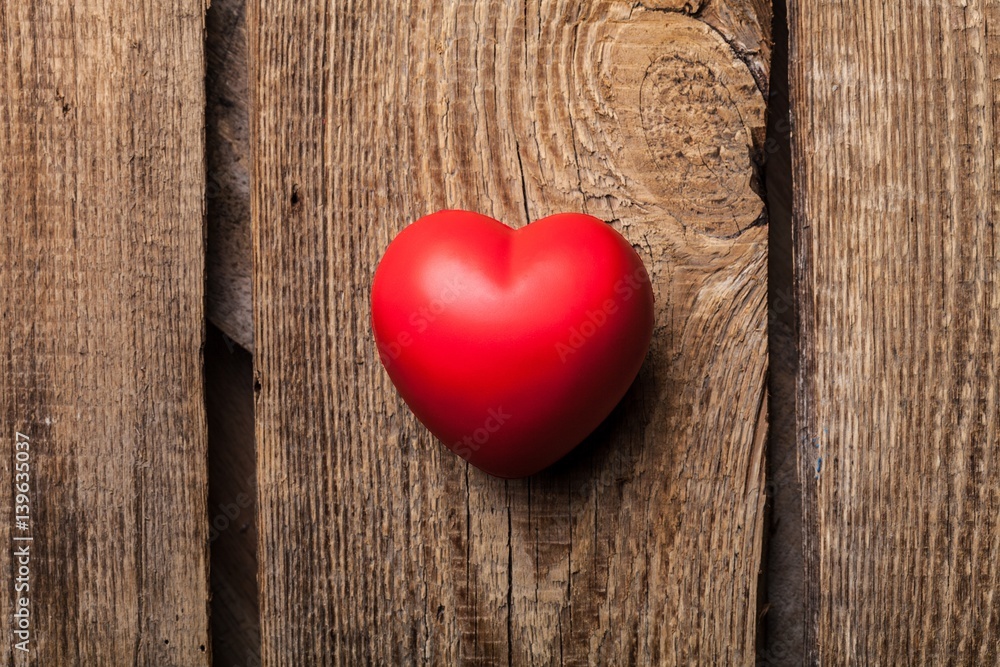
(896, 108)
(376, 544)
(232, 502)
(101, 281)
(227, 189)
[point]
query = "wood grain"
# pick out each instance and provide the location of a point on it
(101, 267)
(377, 545)
(895, 108)
(227, 189)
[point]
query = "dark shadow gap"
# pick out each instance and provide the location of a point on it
(232, 500)
(229, 382)
(780, 632)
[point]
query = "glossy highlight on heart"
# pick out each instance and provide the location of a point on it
(511, 346)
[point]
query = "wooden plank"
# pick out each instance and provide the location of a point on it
(895, 108)
(227, 189)
(644, 546)
(101, 280)
(232, 501)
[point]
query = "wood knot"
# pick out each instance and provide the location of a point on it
(684, 6)
(702, 150)
(676, 114)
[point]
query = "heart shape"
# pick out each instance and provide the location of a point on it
(511, 346)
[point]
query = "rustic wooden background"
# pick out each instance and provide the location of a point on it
(101, 264)
(802, 473)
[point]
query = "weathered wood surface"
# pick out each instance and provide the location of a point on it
(101, 281)
(227, 187)
(232, 502)
(376, 544)
(895, 109)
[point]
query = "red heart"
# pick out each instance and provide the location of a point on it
(511, 346)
